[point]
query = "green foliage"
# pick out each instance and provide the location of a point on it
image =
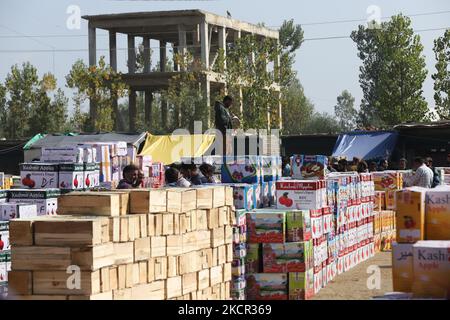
(442, 76)
(101, 84)
(345, 111)
(392, 73)
(322, 123)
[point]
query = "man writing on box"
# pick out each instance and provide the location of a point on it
(224, 119)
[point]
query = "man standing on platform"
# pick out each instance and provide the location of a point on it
(223, 118)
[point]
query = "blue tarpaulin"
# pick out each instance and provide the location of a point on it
(366, 145)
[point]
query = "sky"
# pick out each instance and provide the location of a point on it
(325, 67)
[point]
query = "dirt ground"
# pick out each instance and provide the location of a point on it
(352, 285)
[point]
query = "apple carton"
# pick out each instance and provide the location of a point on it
(267, 286)
(410, 215)
(4, 236)
(5, 266)
(266, 226)
(316, 223)
(257, 195)
(39, 175)
(298, 226)
(318, 279)
(71, 176)
(287, 257)
(272, 193)
(265, 195)
(243, 195)
(309, 167)
(242, 169)
(327, 220)
(299, 194)
(9, 211)
(301, 285)
(402, 266)
(3, 196)
(90, 175)
(46, 200)
(437, 217)
(431, 269)
(269, 168)
(252, 260)
(238, 267)
(238, 295)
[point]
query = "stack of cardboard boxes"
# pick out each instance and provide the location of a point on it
(388, 182)
(143, 244)
(238, 283)
(421, 255)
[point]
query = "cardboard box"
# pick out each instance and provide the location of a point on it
(272, 192)
(301, 285)
(9, 211)
(327, 220)
(253, 260)
(91, 175)
(39, 175)
(431, 269)
(402, 266)
(264, 195)
(287, 257)
(437, 217)
(5, 266)
(309, 167)
(267, 286)
(257, 195)
(243, 196)
(316, 224)
(298, 226)
(299, 194)
(4, 236)
(410, 220)
(71, 176)
(45, 200)
(241, 169)
(269, 168)
(266, 227)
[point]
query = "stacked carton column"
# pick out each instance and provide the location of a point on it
(143, 244)
(238, 283)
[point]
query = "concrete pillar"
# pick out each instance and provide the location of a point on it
(148, 108)
(162, 56)
(113, 64)
(131, 54)
(92, 62)
(176, 67)
(223, 43)
(182, 44)
(206, 88)
(204, 42)
(132, 110)
(146, 42)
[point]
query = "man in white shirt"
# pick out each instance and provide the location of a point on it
(423, 176)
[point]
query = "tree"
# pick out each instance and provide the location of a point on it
(291, 38)
(297, 109)
(322, 123)
(345, 111)
(101, 85)
(392, 73)
(2, 110)
(442, 76)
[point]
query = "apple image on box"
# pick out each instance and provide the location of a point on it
(285, 200)
(28, 182)
(409, 222)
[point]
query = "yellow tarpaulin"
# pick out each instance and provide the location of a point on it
(171, 148)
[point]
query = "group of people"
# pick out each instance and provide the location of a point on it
(176, 175)
(425, 175)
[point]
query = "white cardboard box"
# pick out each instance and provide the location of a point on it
(71, 176)
(9, 211)
(45, 200)
(39, 175)
(4, 236)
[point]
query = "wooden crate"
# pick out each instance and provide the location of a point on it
(205, 198)
(202, 221)
(148, 201)
(89, 203)
(60, 283)
(124, 200)
(218, 196)
(212, 216)
(181, 200)
(158, 247)
(174, 287)
(189, 283)
(20, 282)
(40, 258)
(97, 257)
(151, 291)
(123, 253)
(203, 279)
(142, 249)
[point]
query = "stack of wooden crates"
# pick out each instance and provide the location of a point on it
(150, 244)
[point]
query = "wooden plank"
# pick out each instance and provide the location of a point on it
(122, 277)
(143, 226)
(189, 282)
(174, 245)
(193, 217)
(189, 262)
(189, 242)
(94, 258)
(216, 275)
(100, 296)
(20, 282)
(151, 270)
(173, 287)
(89, 203)
(133, 227)
(229, 201)
(105, 282)
(204, 198)
(181, 200)
(203, 279)
(222, 221)
(226, 272)
(158, 247)
(129, 277)
(218, 196)
(228, 235)
(123, 229)
(70, 232)
(143, 272)
(40, 258)
(148, 201)
(21, 232)
(136, 274)
(214, 257)
(176, 223)
(142, 249)
(158, 224)
(212, 216)
(172, 266)
(168, 228)
(61, 283)
(122, 294)
(124, 200)
(160, 268)
(123, 253)
(183, 223)
(114, 229)
(230, 252)
(217, 237)
(202, 222)
(151, 224)
(37, 297)
(150, 291)
(113, 278)
(221, 255)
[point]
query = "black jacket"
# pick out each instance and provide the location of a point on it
(222, 118)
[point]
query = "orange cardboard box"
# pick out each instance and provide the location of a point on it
(431, 269)
(437, 217)
(402, 266)
(410, 217)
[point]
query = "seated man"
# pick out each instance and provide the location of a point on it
(175, 179)
(192, 173)
(208, 173)
(130, 178)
